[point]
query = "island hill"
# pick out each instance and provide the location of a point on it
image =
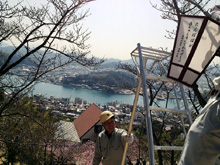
(109, 81)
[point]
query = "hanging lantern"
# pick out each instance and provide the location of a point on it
(197, 40)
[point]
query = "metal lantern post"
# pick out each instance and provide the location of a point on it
(147, 108)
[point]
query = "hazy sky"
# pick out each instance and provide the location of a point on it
(118, 25)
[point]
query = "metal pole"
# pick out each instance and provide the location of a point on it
(178, 106)
(147, 108)
(186, 103)
(177, 102)
(132, 118)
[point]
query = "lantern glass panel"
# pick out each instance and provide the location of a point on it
(209, 43)
(190, 77)
(175, 71)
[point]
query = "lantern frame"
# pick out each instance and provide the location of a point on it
(192, 34)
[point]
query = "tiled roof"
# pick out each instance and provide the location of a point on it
(67, 131)
(87, 120)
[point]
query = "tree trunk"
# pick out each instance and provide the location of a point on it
(172, 158)
(160, 157)
(45, 154)
(202, 102)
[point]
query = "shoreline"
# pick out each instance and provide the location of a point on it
(111, 89)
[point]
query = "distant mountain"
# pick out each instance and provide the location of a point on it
(110, 60)
(111, 63)
(4, 51)
(10, 49)
(130, 61)
(3, 44)
(108, 64)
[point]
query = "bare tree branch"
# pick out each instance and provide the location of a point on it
(49, 36)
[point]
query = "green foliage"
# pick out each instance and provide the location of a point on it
(105, 78)
(24, 133)
(141, 134)
(170, 137)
